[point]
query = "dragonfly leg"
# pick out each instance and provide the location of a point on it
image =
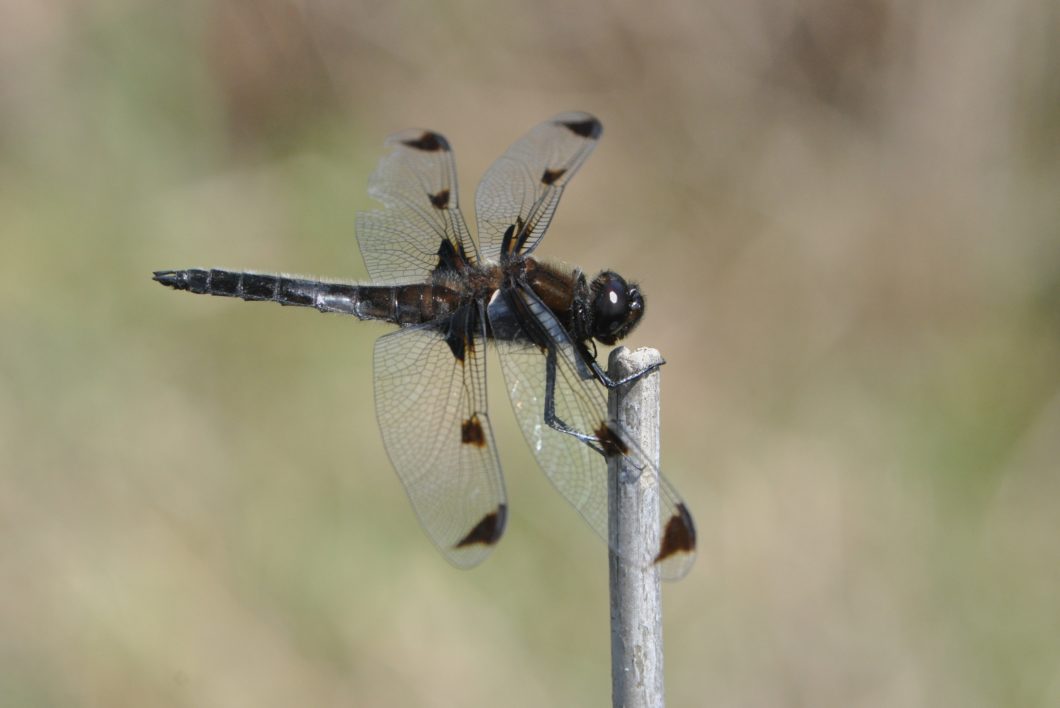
(602, 377)
(551, 419)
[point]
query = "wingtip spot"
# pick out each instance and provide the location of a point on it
(679, 535)
(550, 176)
(429, 141)
(586, 128)
(487, 531)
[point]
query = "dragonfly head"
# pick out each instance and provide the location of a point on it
(617, 307)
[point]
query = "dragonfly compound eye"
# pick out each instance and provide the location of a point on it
(617, 307)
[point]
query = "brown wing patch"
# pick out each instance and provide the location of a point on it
(679, 536)
(471, 432)
(551, 176)
(589, 128)
(428, 142)
(451, 257)
(507, 241)
(440, 200)
(457, 340)
(612, 445)
(488, 531)
(514, 237)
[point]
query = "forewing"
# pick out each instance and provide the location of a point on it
(431, 406)
(577, 466)
(518, 195)
(421, 219)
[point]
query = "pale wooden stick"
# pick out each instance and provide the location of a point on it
(633, 530)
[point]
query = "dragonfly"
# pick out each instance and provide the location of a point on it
(451, 299)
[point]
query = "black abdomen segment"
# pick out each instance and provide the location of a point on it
(400, 304)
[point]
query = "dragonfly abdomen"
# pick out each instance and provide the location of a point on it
(400, 304)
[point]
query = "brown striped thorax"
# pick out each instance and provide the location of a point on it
(450, 298)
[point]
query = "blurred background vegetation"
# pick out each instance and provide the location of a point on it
(845, 219)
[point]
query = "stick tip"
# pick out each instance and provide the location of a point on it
(623, 361)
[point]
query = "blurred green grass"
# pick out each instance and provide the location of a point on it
(844, 217)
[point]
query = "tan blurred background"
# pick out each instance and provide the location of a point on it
(845, 219)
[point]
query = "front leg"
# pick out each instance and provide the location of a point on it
(589, 358)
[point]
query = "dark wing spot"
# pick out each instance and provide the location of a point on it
(488, 531)
(589, 128)
(451, 257)
(440, 200)
(514, 237)
(679, 536)
(506, 240)
(428, 142)
(471, 432)
(611, 443)
(460, 336)
(457, 342)
(551, 176)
